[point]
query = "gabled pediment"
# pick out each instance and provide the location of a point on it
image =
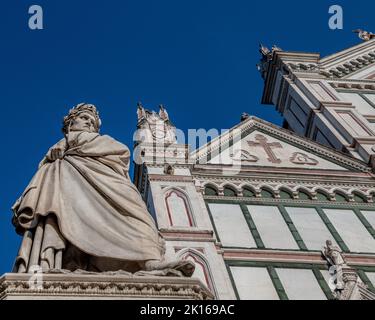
(257, 143)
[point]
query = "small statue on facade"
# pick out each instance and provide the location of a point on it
(333, 255)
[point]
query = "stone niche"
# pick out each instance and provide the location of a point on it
(17, 286)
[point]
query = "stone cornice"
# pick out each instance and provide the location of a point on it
(348, 53)
(344, 205)
(350, 84)
(340, 65)
(170, 178)
(293, 187)
(244, 171)
(360, 181)
(188, 235)
(96, 286)
(293, 256)
(335, 104)
(364, 140)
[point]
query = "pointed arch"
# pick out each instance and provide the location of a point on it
(178, 208)
(202, 267)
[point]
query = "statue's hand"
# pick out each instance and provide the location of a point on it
(55, 153)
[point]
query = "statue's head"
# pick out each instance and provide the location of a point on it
(83, 117)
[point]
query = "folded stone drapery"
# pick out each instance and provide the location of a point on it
(89, 201)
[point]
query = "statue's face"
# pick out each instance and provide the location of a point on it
(83, 122)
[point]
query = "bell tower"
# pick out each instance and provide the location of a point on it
(155, 127)
(155, 147)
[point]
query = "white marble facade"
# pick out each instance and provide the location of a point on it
(254, 207)
(330, 100)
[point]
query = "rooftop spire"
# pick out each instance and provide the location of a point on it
(267, 55)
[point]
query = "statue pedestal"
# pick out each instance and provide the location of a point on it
(17, 286)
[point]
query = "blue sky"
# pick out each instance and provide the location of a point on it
(196, 57)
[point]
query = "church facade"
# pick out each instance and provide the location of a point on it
(255, 207)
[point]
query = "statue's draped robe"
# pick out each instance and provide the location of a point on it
(94, 205)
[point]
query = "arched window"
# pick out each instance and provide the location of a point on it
(179, 212)
(229, 192)
(248, 193)
(210, 191)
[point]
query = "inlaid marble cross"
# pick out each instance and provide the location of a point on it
(262, 142)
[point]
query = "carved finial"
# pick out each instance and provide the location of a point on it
(163, 113)
(364, 35)
(267, 56)
(244, 116)
(264, 50)
(140, 111)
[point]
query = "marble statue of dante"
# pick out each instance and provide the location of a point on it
(81, 211)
